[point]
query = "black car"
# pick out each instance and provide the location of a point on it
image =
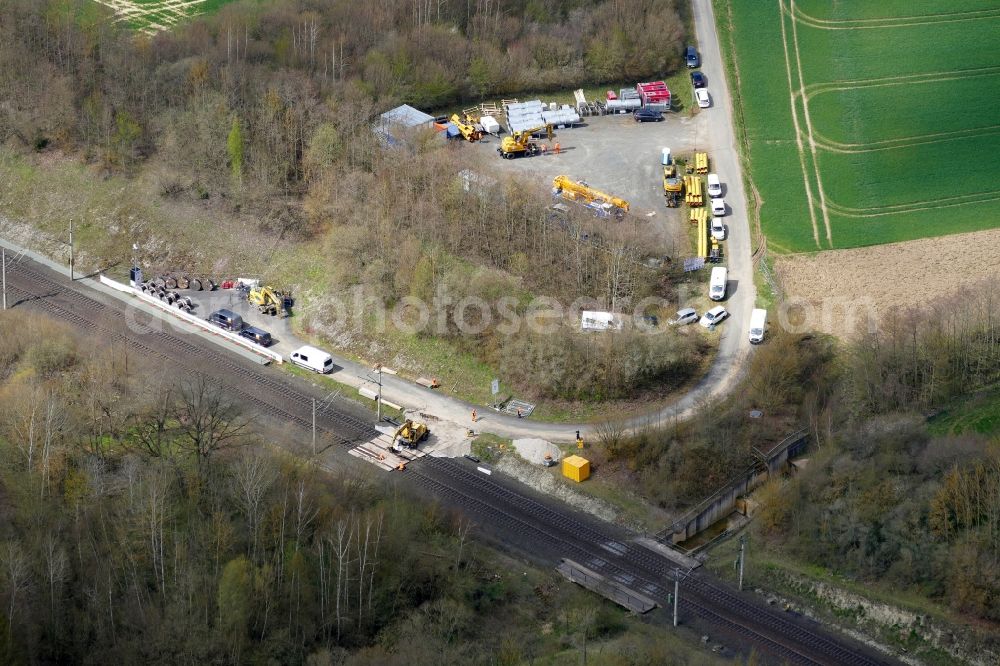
(647, 115)
(698, 80)
(258, 335)
(691, 57)
(227, 319)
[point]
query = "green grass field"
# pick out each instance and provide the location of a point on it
(155, 15)
(867, 122)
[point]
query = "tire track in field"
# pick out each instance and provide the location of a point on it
(798, 131)
(809, 128)
(891, 22)
(814, 89)
(902, 142)
(916, 206)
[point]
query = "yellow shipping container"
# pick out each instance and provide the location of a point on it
(576, 468)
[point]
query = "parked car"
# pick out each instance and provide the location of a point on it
(313, 359)
(691, 57)
(713, 316)
(698, 80)
(647, 115)
(702, 97)
(718, 207)
(258, 335)
(758, 323)
(684, 316)
(227, 319)
(714, 185)
(718, 229)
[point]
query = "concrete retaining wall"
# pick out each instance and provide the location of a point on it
(722, 502)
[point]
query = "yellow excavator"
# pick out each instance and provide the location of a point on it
(409, 435)
(673, 186)
(520, 144)
(467, 128)
(267, 299)
(602, 204)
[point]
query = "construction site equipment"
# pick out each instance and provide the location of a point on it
(673, 186)
(467, 128)
(602, 204)
(715, 252)
(699, 215)
(547, 461)
(267, 299)
(703, 237)
(576, 468)
(409, 435)
(520, 143)
(701, 163)
(693, 195)
(654, 94)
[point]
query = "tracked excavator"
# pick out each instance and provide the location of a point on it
(600, 203)
(268, 300)
(520, 144)
(467, 127)
(409, 435)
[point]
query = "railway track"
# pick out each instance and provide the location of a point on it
(503, 510)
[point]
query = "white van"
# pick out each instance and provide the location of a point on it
(718, 207)
(758, 322)
(313, 359)
(717, 283)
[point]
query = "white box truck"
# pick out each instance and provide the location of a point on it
(758, 322)
(717, 283)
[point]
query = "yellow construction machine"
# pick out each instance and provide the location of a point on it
(268, 300)
(520, 144)
(409, 435)
(602, 204)
(467, 127)
(673, 186)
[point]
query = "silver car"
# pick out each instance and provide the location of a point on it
(713, 316)
(684, 316)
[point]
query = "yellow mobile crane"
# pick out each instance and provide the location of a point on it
(602, 204)
(520, 144)
(467, 128)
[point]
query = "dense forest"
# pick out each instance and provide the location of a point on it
(143, 520)
(257, 121)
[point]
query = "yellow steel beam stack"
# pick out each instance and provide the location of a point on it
(692, 191)
(701, 163)
(703, 237)
(699, 215)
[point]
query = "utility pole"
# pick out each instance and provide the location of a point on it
(4, 252)
(314, 426)
(743, 543)
(378, 402)
(677, 594)
(71, 274)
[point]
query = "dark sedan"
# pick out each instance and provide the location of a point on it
(647, 115)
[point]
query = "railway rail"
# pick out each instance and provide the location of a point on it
(504, 510)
